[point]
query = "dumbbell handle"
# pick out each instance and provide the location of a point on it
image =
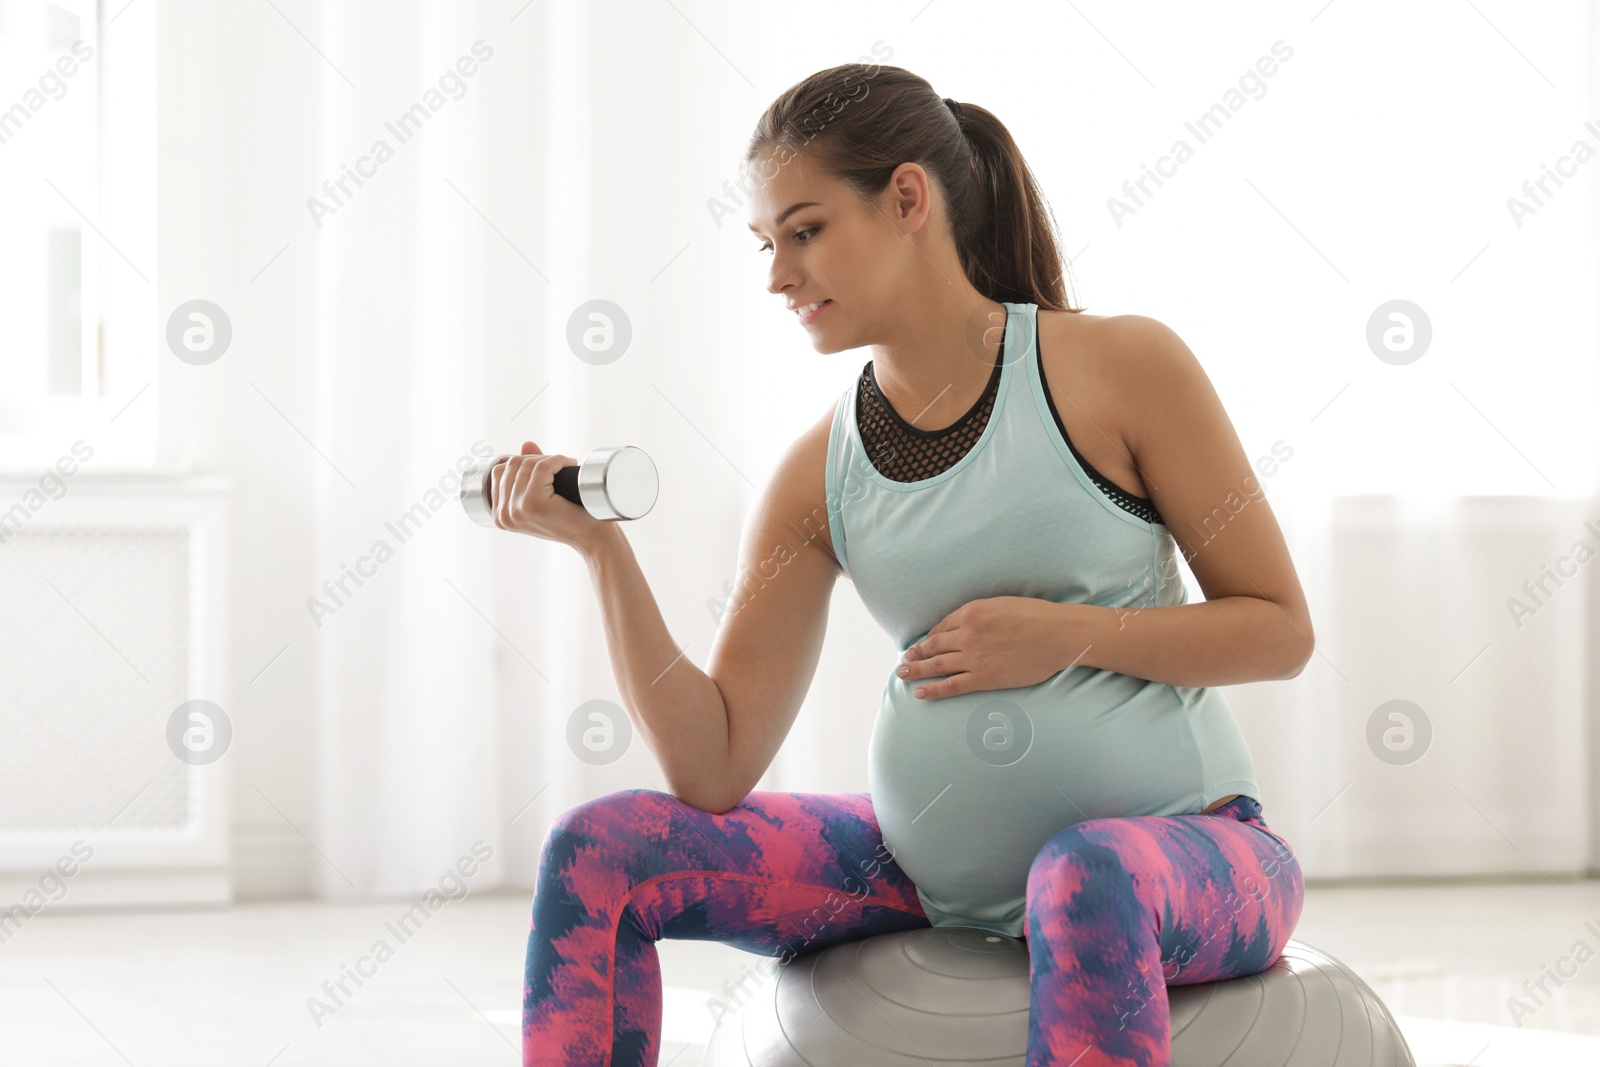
(611, 483)
(567, 484)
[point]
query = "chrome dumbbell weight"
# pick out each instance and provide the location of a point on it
(610, 483)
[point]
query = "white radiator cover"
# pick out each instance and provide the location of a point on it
(112, 614)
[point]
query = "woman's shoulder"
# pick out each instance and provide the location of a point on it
(799, 482)
(1110, 359)
(1102, 336)
(1078, 354)
(1103, 373)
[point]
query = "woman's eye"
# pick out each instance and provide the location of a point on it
(807, 230)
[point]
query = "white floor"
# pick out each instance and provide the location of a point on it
(231, 986)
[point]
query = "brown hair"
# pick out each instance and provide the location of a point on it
(860, 121)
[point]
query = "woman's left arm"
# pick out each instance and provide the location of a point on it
(1254, 624)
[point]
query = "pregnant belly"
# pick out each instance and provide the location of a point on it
(967, 789)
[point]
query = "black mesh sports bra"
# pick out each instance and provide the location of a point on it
(903, 453)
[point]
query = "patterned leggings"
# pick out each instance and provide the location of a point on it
(1111, 903)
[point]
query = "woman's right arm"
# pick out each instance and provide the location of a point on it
(714, 732)
(674, 705)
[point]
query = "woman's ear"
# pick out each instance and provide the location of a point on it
(911, 196)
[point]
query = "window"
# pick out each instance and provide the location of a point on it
(77, 241)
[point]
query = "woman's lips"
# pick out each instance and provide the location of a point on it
(806, 317)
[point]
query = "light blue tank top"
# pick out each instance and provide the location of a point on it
(967, 789)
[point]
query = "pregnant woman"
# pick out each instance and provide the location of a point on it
(1006, 483)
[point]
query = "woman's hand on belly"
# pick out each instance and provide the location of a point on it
(1003, 642)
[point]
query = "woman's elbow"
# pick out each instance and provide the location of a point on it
(1302, 642)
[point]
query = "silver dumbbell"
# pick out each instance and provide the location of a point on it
(611, 483)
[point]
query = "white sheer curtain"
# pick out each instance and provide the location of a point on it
(1491, 769)
(457, 686)
(582, 163)
(408, 736)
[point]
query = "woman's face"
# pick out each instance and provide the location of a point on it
(858, 257)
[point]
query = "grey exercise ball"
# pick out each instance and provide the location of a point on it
(955, 996)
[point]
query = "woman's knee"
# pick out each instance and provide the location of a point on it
(604, 818)
(1283, 885)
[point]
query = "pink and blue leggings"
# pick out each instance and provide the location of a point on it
(1117, 909)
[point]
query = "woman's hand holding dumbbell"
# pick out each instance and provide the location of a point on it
(525, 500)
(517, 492)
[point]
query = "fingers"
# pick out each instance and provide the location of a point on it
(940, 666)
(525, 477)
(512, 489)
(512, 478)
(502, 493)
(497, 490)
(934, 643)
(542, 472)
(954, 685)
(501, 484)
(522, 479)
